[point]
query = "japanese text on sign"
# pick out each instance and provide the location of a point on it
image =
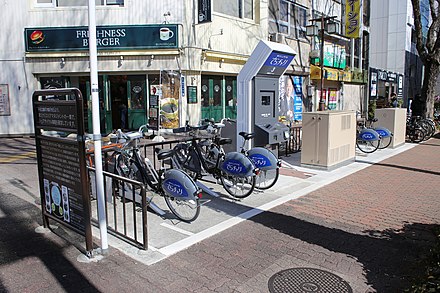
(352, 18)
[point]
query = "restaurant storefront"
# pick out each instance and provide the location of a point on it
(132, 75)
(383, 84)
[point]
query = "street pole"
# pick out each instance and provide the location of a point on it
(97, 126)
(321, 63)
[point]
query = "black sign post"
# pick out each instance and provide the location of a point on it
(61, 157)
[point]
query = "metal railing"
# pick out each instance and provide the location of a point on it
(122, 211)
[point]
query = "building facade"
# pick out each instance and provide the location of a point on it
(395, 64)
(184, 55)
(173, 49)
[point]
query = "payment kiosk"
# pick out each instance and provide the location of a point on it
(258, 94)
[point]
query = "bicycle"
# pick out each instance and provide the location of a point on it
(181, 193)
(386, 136)
(262, 158)
(414, 131)
(199, 157)
(427, 125)
(367, 139)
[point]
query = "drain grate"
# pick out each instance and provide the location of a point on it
(306, 280)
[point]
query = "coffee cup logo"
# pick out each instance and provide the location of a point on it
(166, 34)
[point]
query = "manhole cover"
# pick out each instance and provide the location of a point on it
(307, 280)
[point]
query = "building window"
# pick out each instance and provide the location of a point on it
(75, 3)
(236, 8)
(290, 18)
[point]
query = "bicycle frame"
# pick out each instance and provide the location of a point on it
(233, 163)
(168, 182)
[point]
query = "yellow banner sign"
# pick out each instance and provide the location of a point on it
(315, 72)
(352, 18)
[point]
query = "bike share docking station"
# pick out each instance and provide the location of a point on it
(258, 95)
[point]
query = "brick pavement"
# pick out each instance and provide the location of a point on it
(371, 228)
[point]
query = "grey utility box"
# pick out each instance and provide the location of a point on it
(328, 139)
(394, 119)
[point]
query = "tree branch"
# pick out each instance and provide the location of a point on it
(432, 9)
(421, 49)
(433, 34)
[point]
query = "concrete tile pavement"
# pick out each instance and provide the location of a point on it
(371, 228)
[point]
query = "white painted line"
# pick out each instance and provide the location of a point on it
(177, 229)
(325, 179)
(285, 164)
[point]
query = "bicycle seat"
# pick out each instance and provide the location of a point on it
(223, 140)
(163, 154)
(246, 135)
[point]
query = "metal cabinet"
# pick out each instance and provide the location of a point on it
(395, 120)
(328, 139)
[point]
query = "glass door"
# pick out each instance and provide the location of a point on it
(137, 96)
(118, 100)
(231, 97)
(212, 97)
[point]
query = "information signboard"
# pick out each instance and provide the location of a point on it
(59, 138)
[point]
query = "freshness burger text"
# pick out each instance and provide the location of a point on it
(104, 37)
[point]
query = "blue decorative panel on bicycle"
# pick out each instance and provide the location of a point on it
(383, 132)
(237, 164)
(263, 158)
(178, 184)
(368, 135)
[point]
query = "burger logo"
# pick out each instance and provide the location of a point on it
(37, 37)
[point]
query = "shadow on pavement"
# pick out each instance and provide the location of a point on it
(20, 245)
(400, 167)
(391, 259)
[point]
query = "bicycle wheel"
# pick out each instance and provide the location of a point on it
(385, 142)
(426, 128)
(238, 187)
(367, 146)
(185, 210)
(267, 178)
(416, 135)
(431, 124)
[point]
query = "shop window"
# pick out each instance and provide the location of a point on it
(236, 8)
(137, 91)
(76, 3)
(230, 91)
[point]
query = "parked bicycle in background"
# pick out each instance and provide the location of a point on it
(179, 190)
(201, 158)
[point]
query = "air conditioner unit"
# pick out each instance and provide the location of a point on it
(277, 37)
(281, 38)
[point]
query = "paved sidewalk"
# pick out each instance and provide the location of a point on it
(371, 228)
